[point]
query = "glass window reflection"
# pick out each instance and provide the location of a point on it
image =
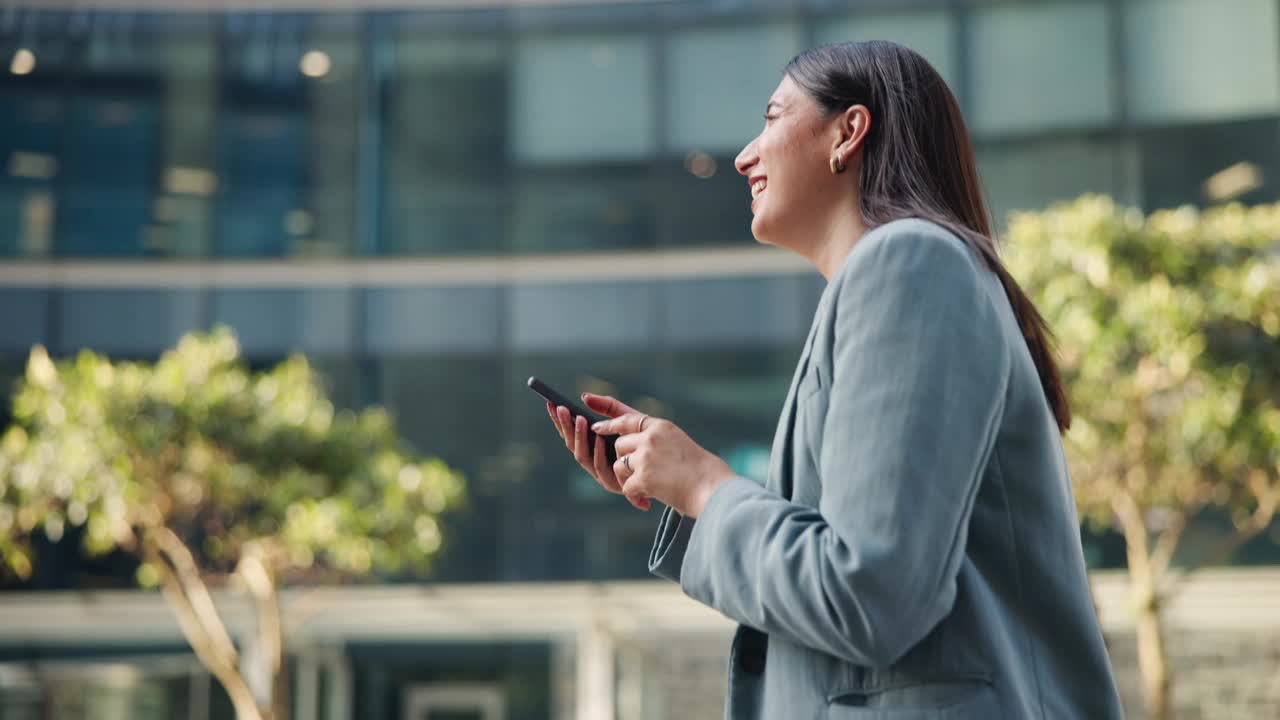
(34, 66)
(287, 137)
(607, 207)
(126, 322)
(587, 97)
(929, 32)
(272, 321)
(25, 320)
(1041, 66)
(705, 201)
(107, 170)
(1188, 60)
(445, 149)
(1014, 176)
(719, 80)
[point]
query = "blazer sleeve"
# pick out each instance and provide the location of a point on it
(667, 554)
(919, 376)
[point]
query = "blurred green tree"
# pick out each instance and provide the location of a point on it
(215, 475)
(1168, 331)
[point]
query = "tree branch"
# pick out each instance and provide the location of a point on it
(187, 575)
(1258, 521)
(1135, 532)
(203, 636)
(257, 579)
(202, 643)
(1168, 542)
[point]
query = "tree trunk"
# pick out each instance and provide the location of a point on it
(1153, 660)
(198, 618)
(1144, 579)
(254, 569)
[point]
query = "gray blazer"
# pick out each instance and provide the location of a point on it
(915, 552)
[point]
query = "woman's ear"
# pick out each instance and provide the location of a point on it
(852, 127)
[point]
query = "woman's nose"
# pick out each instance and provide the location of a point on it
(746, 159)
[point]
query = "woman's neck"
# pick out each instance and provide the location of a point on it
(842, 233)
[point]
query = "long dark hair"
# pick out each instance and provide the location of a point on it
(918, 163)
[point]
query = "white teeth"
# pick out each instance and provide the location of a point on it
(758, 188)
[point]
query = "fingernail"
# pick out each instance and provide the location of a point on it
(596, 427)
(584, 396)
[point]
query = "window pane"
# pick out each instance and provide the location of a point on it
(33, 115)
(287, 137)
(444, 107)
(583, 315)
(437, 320)
(327, 226)
(139, 323)
(182, 209)
(706, 201)
(450, 408)
(719, 81)
(261, 143)
(604, 207)
(1031, 174)
(25, 320)
(1041, 66)
(279, 321)
(107, 170)
(930, 33)
(1191, 59)
(582, 97)
(735, 311)
(1182, 165)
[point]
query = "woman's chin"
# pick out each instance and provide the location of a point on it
(760, 230)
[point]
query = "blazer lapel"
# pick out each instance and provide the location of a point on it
(779, 479)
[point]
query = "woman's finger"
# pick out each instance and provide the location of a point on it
(631, 489)
(623, 471)
(626, 424)
(626, 444)
(551, 412)
(606, 405)
(581, 448)
(566, 426)
(604, 471)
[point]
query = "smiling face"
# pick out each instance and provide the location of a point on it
(794, 193)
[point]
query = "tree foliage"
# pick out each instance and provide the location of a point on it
(1168, 332)
(208, 471)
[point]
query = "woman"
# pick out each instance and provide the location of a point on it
(915, 552)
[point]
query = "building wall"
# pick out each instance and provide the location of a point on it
(308, 177)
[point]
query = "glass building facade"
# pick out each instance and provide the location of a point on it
(435, 202)
(358, 185)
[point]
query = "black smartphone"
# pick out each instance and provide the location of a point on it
(575, 410)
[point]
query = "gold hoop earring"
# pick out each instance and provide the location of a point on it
(837, 167)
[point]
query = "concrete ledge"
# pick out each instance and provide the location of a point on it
(1216, 599)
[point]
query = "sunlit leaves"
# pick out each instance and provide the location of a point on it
(221, 455)
(1167, 330)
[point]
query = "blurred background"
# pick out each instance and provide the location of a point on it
(434, 199)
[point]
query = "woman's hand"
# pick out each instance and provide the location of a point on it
(656, 459)
(574, 433)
